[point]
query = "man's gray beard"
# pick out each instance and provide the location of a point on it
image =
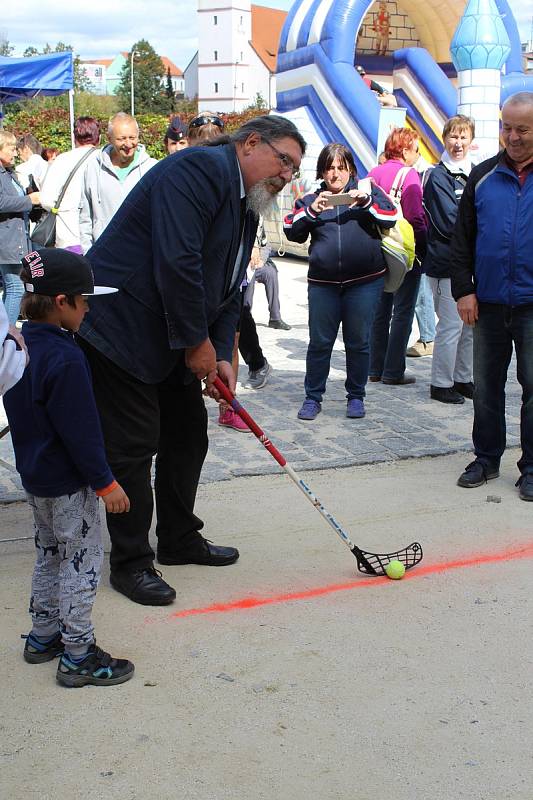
(259, 200)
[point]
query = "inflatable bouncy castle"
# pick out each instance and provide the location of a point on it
(435, 58)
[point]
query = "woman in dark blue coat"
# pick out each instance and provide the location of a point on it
(346, 273)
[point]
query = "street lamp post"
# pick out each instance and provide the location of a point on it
(133, 54)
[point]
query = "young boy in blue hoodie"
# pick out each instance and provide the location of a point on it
(60, 456)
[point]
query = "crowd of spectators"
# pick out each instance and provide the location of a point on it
(178, 247)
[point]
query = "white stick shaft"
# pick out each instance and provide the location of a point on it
(311, 496)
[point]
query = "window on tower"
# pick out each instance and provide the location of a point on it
(242, 88)
(215, 20)
(216, 88)
(215, 55)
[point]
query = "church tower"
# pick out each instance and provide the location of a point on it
(224, 34)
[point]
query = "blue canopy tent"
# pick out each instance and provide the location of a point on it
(22, 78)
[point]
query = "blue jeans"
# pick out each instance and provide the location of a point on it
(329, 305)
(13, 290)
(497, 328)
(392, 328)
(425, 311)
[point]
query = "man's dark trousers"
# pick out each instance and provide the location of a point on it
(268, 276)
(497, 328)
(138, 421)
(249, 346)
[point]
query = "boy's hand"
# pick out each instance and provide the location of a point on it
(117, 501)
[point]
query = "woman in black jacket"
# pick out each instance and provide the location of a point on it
(15, 206)
(346, 273)
(451, 370)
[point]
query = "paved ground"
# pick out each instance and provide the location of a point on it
(288, 674)
(401, 422)
(358, 689)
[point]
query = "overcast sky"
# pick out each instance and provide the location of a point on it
(102, 28)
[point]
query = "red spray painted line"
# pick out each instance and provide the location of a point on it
(365, 583)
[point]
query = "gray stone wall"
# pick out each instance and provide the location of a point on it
(402, 31)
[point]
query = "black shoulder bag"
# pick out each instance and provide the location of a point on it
(44, 233)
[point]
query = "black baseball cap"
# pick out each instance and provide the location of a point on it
(55, 271)
(176, 131)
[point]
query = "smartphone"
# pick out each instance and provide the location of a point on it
(365, 185)
(341, 199)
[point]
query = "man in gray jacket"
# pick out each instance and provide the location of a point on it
(110, 176)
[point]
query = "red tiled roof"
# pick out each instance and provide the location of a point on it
(174, 70)
(106, 62)
(266, 30)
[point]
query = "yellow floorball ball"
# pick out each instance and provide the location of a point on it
(395, 570)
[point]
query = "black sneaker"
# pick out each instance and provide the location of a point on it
(466, 389)
(97, 669)
(36, 652)
(279, 325)
(476, 474)
(525, 482)
(446, 394)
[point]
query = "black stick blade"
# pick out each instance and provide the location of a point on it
(375, 563)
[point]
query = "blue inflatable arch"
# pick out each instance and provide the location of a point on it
(316, 68)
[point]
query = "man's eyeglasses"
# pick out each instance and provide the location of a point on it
(285, 160)
(206, 119)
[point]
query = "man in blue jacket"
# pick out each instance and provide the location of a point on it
(177, 249)
(492, 282)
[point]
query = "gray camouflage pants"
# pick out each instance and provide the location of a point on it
(67, 571)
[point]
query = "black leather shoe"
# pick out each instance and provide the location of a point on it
(144, 586)
(445, 394)
(205, 553)
(476, 474)
(279, 325)
(466, 389)
(403, 381)
(525, 482)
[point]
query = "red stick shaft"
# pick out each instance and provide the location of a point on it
(230, 398)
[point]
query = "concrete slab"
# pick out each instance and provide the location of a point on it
(410, 690)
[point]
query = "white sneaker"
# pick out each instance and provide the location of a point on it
(420, 349)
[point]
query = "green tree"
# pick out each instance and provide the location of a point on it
(169, 93)
(148, 73)
(259, 103)
(6, 49)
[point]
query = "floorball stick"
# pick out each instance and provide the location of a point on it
(369, 563)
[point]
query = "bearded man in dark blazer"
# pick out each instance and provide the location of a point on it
(177, 250)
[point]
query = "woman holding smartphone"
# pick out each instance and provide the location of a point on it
(346, 273)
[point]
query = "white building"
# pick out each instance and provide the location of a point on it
(177, 78)
(104, 74)
(236, 60)
(190, 74)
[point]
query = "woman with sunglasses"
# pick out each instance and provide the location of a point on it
(394, 316)
(203, 127)
(346, 273)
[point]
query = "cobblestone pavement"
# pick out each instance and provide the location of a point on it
(400, 422)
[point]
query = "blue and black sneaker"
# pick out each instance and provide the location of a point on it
(36, 652)
(98, 668)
